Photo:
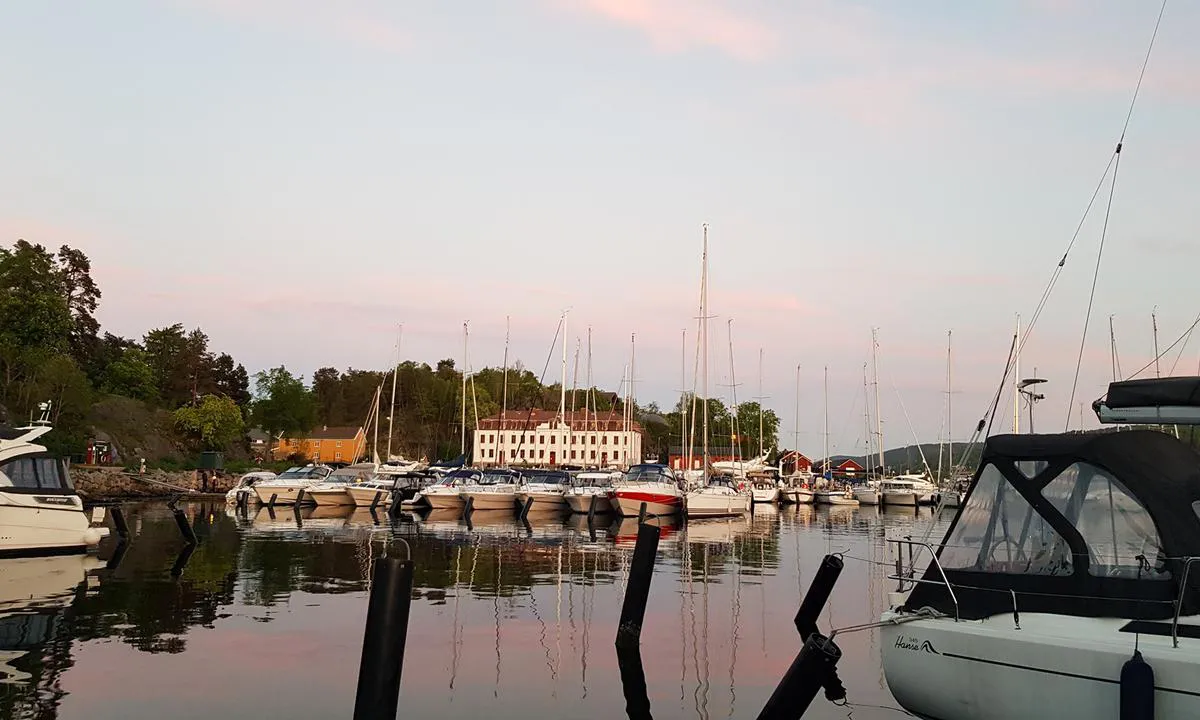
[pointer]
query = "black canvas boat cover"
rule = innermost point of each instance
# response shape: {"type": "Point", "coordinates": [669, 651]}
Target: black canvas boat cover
{"type": "Point", "coordinates": [1143, 467]}
{"type": "Point", "coordinates": [1155, 392]}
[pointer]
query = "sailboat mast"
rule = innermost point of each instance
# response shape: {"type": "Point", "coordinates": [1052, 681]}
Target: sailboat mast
{"type": "Point", "coordinates": [684, 450]}
{"type": "Point", "coordinates": [878, 409]}
{"type": "Point", "coordinates": [797, 428]}
{"type": "Point", "coordinates": [504, 390]}
{"type": "Point", "coordinates": [760, 400]}
{"type": "Point", "coordinates": [590, 395]}
{"type": "Point", "coordinates": [827, 472]}
{"type": "Point", "coordinates": [562, 389]}
{"type": "Point", "coordinates": [632, 397]}
{"type": "Point", "coordinates": [735, 441]}
{"type": "Point", "coordinates": [950, 401]}
{"type": "Point", "coordinates": [1154, 325]}
{"type": "Point", "coordinates": [395, 375]}
{"type": "Point", "coordinates": [704, 347]}
{"type": "Point", "coordinates": [1016, 423]}
{"type": "Point", "coordinates": [463, 447]}
{"type": "Point", "coordinates": [867, 422]}
{"type": "Point", "coordinates": [1112, 348]}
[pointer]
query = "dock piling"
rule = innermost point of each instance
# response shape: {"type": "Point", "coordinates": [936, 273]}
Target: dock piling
{"type": "Point", "coordinates": [817, 595]}
{"type": "Point", "coordinates": [119, 524]}
{"type": "Point", "coordinates": [592, 509]}
{"type": "Point", "coordinates": [375, 500]}
{"type": "Point", "coordinates": [383, 641]}
{"type": "Point", "coordinates": [637, 592]}
{"type": "Point", "coordinates": [185, 527]}
{"type": "Point", "coordinates": [633, 682]}
{"type": "Point", "coordinates": [271, 503]}
{"type": "Point", "coordinates": [469, 507]}
{"type": "Point", "coordinates": [813, 667]}
{"type": "Point", "coordinates": [528, 506]}
{"type": "Point", "coordinates": [642, 514]}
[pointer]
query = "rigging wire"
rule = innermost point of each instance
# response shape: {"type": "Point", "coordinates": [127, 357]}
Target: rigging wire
{"type": "Point", "coordinates": [1112, 162]}
{"type": "Point", "coordinates": [1169, 348]}
{"type": "Point", "coordinates": [1186, 338]}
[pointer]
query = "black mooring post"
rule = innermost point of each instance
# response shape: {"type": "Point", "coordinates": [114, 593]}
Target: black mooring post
{"type": "Point", "coordinates": [271, 511]}
{"type": "Point", "coordinates": [642, 514]}
{"type": "Point", "coordinates": [242, 499]}
{"type": "Point", "coordinates": [637, 591]}
{"type": "Point", "coordinates": [817, 595]}
{"type": "Point", "coordinates": [185, 554]}
{"type": "Point", "coordinates": [592, 508]}
{"type": "Point", "coordinates": [119, 523]}
{"type": "Point", "coordinates": [274, 496]}
{"type": "Point", "coordinates": [469, 507]}
{"type": "Point", "coordinates": [118, 554]}
{"type": "Point", "coordinates": [376, 499]}
{"type": "Point", "coordinates": [299, 497]}
{"type": "Point", "coordinates": [397, 501]}
{"type": "Point", "coordinates": [528, 506]}
{"type": "Point", "coordinates": [633, 682]}
{"type": "Point", "coordinates": [812, 668]}
{"type": "Point", "coordinates": [185, 528]}
{"type": "Point", "coordinates": [383, 642]}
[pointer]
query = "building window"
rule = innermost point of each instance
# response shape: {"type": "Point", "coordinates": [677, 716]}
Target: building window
{"type": "Point", "coordinates": [572, 454]}
{"type": "Point", "coordinates": [593, 454]}
{"type": "Point", "coordinates": [541, 454]}
{"type": "Point", "coordinates": [625, 440]}
{"type": "Point", "coordinates": [512, 454]}
{"type": "Point", "coordinates": [542, 440]}
{"type": "Point", "coordinates": [551, 439]}
{"type": "Point", "coordinates": [514, 440]}
{"type": "Point", "coordinates": [522, 454]}
{"type": "Point", "coordinates": [339, 443]}
{"type": "Point", "coordinates": [337, 456]}
{"type": "Point", "coordinates": [593, 439]}
{"type": "Point", "coordinates": [491, 453]}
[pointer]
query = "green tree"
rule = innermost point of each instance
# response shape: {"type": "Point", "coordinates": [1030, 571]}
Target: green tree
{"type": "Point", "coordinates": [82, 296]}
{"type": "Point", "coordinates": [283, 405]}
{"type": "Point", "coordinates": [131, 375]}
{"type": "Point", "coordinates": [748, 423]}
{"type": "Point", "coordinates": [214, 422]}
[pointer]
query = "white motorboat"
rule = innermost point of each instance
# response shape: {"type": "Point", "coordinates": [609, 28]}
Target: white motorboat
{"type": "Point", "coordinates": [546, 489]}
{"type": "Point", "coordinates": [844, 497]}
{"type": "Point", "coordinates": [764, 491]}
{"type": "Point", "coordinates": [804, 495]}
{"type": "Point", "coordinates": [650, 484]}
{"type": "Point", "coordinates": [40, 513]}
{"type": "Point", "coordinates": [906, 491]}
{"type": "Point", "coordinates": [446, 494]}
{"type": "Point", "coordinates": [496, 489]}
{"type": "Point", "coordinates": [867, 494]}
{"type": "Point", "coordinates": [740, 468]}
{"type": "Point", "coordinates": [244, 489]}
{"type": "Point", "coordinates": [334, 490]}
{"type": "Point", "coordinates": [1070, 558]}
{"type": "Point", "coordinates": [287, 486]}
{"type": "Point", "coordinates": [588, 488]}
{"type": "Point", "coordinates": [719, 498]}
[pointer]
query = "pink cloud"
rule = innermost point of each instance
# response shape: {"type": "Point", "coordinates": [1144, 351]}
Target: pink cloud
{"type": "Point", "coordinates": [354, 22]}
{"type": "Point", "coordinates": [675, 26]}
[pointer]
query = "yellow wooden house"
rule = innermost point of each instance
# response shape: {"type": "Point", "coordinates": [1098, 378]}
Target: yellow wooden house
{"type": "Point", "coordinates": [329, 445]}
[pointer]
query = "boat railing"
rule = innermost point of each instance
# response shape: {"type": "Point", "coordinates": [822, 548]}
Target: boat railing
{"type": "Point", "coordinates": [1187, 567]}
{"type": "Point", "coordinates": [909, 575]}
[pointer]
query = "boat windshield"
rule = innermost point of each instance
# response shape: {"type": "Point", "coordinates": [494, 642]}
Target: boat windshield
{"type": "Point", "coordinates": [498, 478]}
{"type": "Point", "coordinates": [40, 473]}
{"type": "Point", "coordinates": [649, 473]}
{"type": "Point", "coordinates": [300, 473]}
{"type": "Point", "coordinates": [460, 477]}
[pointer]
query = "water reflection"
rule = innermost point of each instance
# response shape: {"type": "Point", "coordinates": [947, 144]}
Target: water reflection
{"type": "Point", "coordinates": [513, 619]}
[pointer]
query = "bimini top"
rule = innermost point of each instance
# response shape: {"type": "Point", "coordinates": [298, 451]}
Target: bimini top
{"type": "Point", "coordinates": [1171, 400]}
{"type": "Point", "coordinates": [1085, 524]}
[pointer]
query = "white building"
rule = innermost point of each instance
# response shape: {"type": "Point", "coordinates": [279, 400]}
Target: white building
{"type": "Point", "coordinates": [542, 438]}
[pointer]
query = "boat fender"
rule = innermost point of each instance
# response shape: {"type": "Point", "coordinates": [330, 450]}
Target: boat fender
{"type": "Point", "coordinates": [92, 536]}
{"type": "Point", "coordinates": [1137, 689]}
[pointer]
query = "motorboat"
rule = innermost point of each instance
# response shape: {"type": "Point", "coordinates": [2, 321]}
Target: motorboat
{"type": "Point", "coordinates": [40, 513]}
{"type": "Point", "coordinates": [590, 488]}
{"type": "Point", "coordinates": [764, 491]}
{"type": "Point", "coordinates": [547, 490]}
{"type": "Point", "coordinates": [718, 498]}
{"type": "Point", "coordinates": [844, 497]}
{"type": "Point", "coordinates": [495, 489]}
{"type": "Point", "coordinates": [804, 495]}
{"type": "Point", "coordinates": [907, 491]}
{"type": "Point", "coordinates": [741, 468]}
{"type": "Point", "coordinates": [286, 488]}
{"type": "Point", "coordinates": [334, 490]}
{"type": "Point", "coordinates": [243, 491]}
{"type": "Point", "coordinates": [1072, 557]}
{"type": "Point", "coordinates": [867, 493]}
{"type": "Point", "coordinates": [446, 493]}
{"type": "Point", "coordinates": [379, 488]}
{"type": "Point", "coordinates": [654, 485]}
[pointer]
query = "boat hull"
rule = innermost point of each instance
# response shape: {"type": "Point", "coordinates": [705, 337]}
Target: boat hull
{"type": "Point", "coordinates": [582, 502]}
{"type": "Point", "coordinates": [765, 495]}
{"type": "Point", "coordinates": [33, 525]}
{"type": "Point", "coordinates": [1068, 668]}
{"type": "Point", "coordinates": [866, 497]}
{"type": "Point", "coordinates": [491, 500]}
{"type": "Point", "coordinates": [364, 496]}
{"type": "Point", "coordinates": [702, 504]}
{"type": "Point", "coordinates": [804, 496]}
{"type": "Point", "coordinates": [443, 500]}
{"type": "Point", "coordinates": [543, 500]}
{"type": "Point", "coordinates": [330, 497]}
{"type": "Point", "coordinates": [284, 494]}
{"type": "Point", "coordinates": [629, 502]}
{"type": "Point", "coordinates": [900, 499]}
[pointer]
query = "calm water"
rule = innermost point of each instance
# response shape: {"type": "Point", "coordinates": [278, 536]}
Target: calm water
{"type": "Point", "coordinates": [265, 618]}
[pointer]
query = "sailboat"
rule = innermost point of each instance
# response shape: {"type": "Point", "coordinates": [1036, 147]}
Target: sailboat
{"type": "Point", "coordinates": [868, 492]}
{"type": "Point", "coordinates": [829, 495]}
{"type": "Point", "coordinates": [713, 498]}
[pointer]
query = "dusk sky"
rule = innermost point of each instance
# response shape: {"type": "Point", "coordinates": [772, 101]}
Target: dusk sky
{"type": "Point", "coordinates": [298, 177]}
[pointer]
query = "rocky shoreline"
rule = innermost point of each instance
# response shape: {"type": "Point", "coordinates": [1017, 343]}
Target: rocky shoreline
{"type": "Point", "coordinates": [109, 484]}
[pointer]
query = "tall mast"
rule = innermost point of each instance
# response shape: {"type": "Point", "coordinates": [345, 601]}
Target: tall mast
{"type": "Point", "coordinates": [704, 346]}
{"type": "Point", "coordinates": [827, 471]}
{"type": "Point", "coordinates": [735, 441]}
{"type": "Point", "coordinates": [463, 448]}
{"type": "Point", "coordinates": [504, 391]}
{"type": "Point", "coordinates": [867, 422]}
{"type": "Point", "coordinates": [632, 397]}
{"type": "Point", "coordinates": [1154, 324]}
{"type": "Point", "coordinates": [1112, 348]}
{"type": "Point", "coordinates": [797, 428]}
{"type": "Point", "coordinates": [562, 389]}
{"type": "Point", "coordinates": [760, 400]}
{"type": "Point", "coordinates": [374, 414]}
{"type": "Point", "coordinates": [590, 394]}
{"type": "Point", "coordinates": [395, 375]}
{"type": "Point", "coordinates": [878, 409]}
{"type": "Point", "coordinates": [1016, 423]}
{"type": "Point", "coordinates": [684, 450]}
{"type": "Point", "coordinates": [950, 402]}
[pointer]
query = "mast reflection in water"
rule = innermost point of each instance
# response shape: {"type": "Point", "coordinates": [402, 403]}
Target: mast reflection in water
{"type": "Point", "coordinates": [510, 619]}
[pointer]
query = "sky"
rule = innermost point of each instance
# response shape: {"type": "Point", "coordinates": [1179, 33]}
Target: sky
{"type": "Point", "coordinates": [298, 178]}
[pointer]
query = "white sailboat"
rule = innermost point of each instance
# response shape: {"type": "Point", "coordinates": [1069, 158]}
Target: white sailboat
{"type": "Point", "coordinates": [828, 495]}
{"type": "Point", "coordinates": [711, 499]}
{"type": "Point", "coordinates": [868, 492]}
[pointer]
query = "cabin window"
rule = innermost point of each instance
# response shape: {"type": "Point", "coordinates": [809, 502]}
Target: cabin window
{"type": "Point", "coordinates": [999, 532]}
{"type": "Point", "coordinates": [1121, 538]}
{"type": "Point", "coordinates": [34, 473]}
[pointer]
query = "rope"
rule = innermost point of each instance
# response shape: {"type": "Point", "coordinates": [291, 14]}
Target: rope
{"type": "Point", "coordinates": [1169, 348]}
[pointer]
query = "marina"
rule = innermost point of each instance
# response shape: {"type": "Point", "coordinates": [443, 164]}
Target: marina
{"type": "Point", "coordinates": [517, 618]}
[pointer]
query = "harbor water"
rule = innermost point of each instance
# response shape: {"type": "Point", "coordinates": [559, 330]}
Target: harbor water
{"type": "Point", "coordinates": [510, 619]}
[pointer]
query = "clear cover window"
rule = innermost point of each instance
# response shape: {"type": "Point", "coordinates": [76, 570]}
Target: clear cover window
{"type": "Point", "coordinates": [999, 532]}
{"type": "Point", "coordinates": [34, 473]}
{"type": "Point", "coordinates": [1121, 538]}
